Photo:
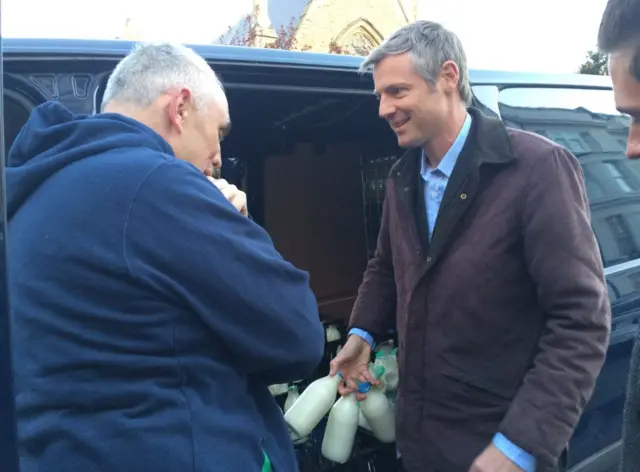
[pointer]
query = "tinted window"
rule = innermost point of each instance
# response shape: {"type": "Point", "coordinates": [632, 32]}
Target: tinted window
{"type": "Point", "coordinates": [586, 123]}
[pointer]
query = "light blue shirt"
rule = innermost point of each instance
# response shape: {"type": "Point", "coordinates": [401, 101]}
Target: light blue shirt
{"type": "Point", "coordinates": [436, 180]}
{"type": "Point", "coordinates": [435, 183]}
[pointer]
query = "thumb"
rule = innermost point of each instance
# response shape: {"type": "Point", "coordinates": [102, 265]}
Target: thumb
{"type": "Point", "coordinates": [336, 364]}
{"type": "Point", "coordinates": [334, 367]}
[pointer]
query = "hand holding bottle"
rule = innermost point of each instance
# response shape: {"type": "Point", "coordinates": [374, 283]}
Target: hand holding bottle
{"type": "Point", "coordinates": [353, 364]}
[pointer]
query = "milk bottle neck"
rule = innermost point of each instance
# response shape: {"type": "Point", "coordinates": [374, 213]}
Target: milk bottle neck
{"type": "Point", "coordinates": [363, 387]}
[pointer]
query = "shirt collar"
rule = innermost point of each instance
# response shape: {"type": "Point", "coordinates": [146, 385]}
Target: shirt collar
{"type": "Point", "coordinates": [449, 160]}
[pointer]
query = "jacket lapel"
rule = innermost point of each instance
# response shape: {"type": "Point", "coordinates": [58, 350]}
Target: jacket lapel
{"type": "Point", "coordinates": [488, 143]}
{"type": "Point", "coordinates": [458, 196]}
{"type": "Point", "coordinates": [408, 184]}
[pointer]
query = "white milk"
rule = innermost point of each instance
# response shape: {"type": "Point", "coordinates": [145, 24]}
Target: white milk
{"type": "Point", "coordinates": [377, 410]}
{"type": "Point", "coordinates": [362, 421]}
{"type": "Point", "coordinates": [314, 402]}
{"type": "Point", "coordinates": [340, 433]}
{"type": "Point", "coordinates": [333, 334]}
{"type": "Point", "coordinates": [292, 396]}
{"type": "Point", "coordinates": [278, 389]}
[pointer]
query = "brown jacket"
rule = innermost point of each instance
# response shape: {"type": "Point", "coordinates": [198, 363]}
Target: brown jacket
{"type": "Point", "coordinates": [503, 319]}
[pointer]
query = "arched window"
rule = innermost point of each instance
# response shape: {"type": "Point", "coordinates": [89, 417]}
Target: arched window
{"type": "Point", "coordinates": [359, 44]}
{"type": "Point", "coordinates": [359, 38]}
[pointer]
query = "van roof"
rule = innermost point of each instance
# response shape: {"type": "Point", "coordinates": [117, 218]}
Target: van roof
{"type": "Point", "coordinates": [19, 48]}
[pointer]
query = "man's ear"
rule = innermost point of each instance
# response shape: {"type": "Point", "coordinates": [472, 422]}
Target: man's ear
{"type": "Point", "coordinates": [450, 74]}
{"type": "Point", "coordinates": [179, 108]}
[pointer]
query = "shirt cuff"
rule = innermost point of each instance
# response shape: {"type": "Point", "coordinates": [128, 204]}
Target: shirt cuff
{"type": "Point", "coordinates": [515, 454]}
{"type": "Point", "coordinates": [364, 335]}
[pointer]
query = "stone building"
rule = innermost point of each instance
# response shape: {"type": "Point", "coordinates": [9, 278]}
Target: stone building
{"type": "Point", "coordinates": [355, 26]}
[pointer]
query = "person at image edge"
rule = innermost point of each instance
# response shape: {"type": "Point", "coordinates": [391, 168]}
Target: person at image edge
{"type": "Point", "coordinates": [149, 314]}
{"type": "Point", "coordinates": [619, 36]}
{"type": "Point", "coordinates": [487, 265]}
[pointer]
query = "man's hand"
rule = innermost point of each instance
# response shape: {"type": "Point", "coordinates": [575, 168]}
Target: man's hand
{"type": "Point", "coordinates": [492, 460]}
{"type": "Point", "coordinates": [236, 196]}
{"type": "Point", "coordinates": [353, 364]}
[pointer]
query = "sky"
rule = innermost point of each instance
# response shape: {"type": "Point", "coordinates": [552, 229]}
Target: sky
{"type": "Point", "coordinates": [541, 36]}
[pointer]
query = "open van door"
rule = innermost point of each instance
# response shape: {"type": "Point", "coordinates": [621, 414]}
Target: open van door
{"type": "Point", "coordinates": [8, 443]}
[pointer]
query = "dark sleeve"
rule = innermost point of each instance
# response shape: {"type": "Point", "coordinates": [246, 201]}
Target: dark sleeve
{"type": "Point", "coordinates": [631, 426]}
{"type": "Point", "coordinates": [186, 242]}
{"type": "Point", "coordinates": [564, 261]}
{"type": "Point", "coordinates": [374, 308]}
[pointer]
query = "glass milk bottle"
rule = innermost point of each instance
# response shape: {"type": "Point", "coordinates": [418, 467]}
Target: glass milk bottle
{"type": "Point", "coordinates": [362, 422]}
{"type": "Point", "coordinates": [332, 334]}
{"type": "Point", "coordinates": [341, 429]}
{"type": "Point", "coordinates": [377, 410]}
{"type": "Point", "coordinates": [390, 376]}
{"type": "Point", "coordinates": [278, 389]}
{"type": "Point", "coordinates": [315, 401]}
{"type": "Point", "coordinates": [292, 396]}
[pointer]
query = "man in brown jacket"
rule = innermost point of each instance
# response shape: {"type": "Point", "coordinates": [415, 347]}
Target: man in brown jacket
{"type": "Point", "coordinates": [619, 36]}
{"type": "Point", "coordinates": [487, 265]}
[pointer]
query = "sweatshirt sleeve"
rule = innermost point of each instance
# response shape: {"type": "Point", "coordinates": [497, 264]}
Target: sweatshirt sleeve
{"type": "Point", "coordinates": [185, 241]}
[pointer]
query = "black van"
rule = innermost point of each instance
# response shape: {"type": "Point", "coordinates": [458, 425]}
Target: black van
{"type": "Point", "coordinates": [311, 153]}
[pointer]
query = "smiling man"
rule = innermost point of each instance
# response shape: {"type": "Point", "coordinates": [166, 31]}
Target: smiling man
{"type": "Point", "coordinates": [619, 36]}
{"type": "Point", "coordinates": [487, 265]}
{"type": "Point", "coordinates": [149, 315]}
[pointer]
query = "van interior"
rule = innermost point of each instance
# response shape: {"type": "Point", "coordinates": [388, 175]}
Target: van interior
{"type": "Point", "coordinates": [313, 166]}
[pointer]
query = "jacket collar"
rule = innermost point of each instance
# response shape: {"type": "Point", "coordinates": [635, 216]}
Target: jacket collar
{"type": "Point", "coordinates": [488, 143]}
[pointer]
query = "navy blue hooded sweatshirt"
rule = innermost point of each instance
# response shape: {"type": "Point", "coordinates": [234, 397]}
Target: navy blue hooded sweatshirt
{"type": "Point", "coordinates": [148, 315]}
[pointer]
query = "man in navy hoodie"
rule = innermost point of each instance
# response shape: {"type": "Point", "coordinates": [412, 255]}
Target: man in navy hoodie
{"type": "Point", "coordinates": [149, 315]}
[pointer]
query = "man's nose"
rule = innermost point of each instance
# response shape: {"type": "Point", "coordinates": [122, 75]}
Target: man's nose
{"type": "Point", "coordinates": [386, 109]}
{"type": "Point", "coordinates": [633, 143]}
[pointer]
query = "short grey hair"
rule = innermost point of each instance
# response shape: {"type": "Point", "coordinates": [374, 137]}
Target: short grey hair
{"type": "Point", "coordinates": [429, 45]}
{"type": "Point", "coordinates": [149, 70]}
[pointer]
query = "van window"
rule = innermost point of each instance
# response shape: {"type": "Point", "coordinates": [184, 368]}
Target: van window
{"type": "Point", "coordinates": [586, 122]}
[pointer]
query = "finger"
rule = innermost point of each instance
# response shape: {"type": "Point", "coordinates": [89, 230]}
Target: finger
{"type": "Point", "coordinates": [220, 183]}
{"type": "Point", "coordinates": [365, 376]}
{"type": "Point", "coordinates": [344, 389]}
{"type": "Point", "coordinates": [334, 367]}
{"type": "Point", "coordinates": [475, 467]}
{"type": "Point", "coordinates": [361, 396]}
{"type": "Point", "coordinates": [229, 191]}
